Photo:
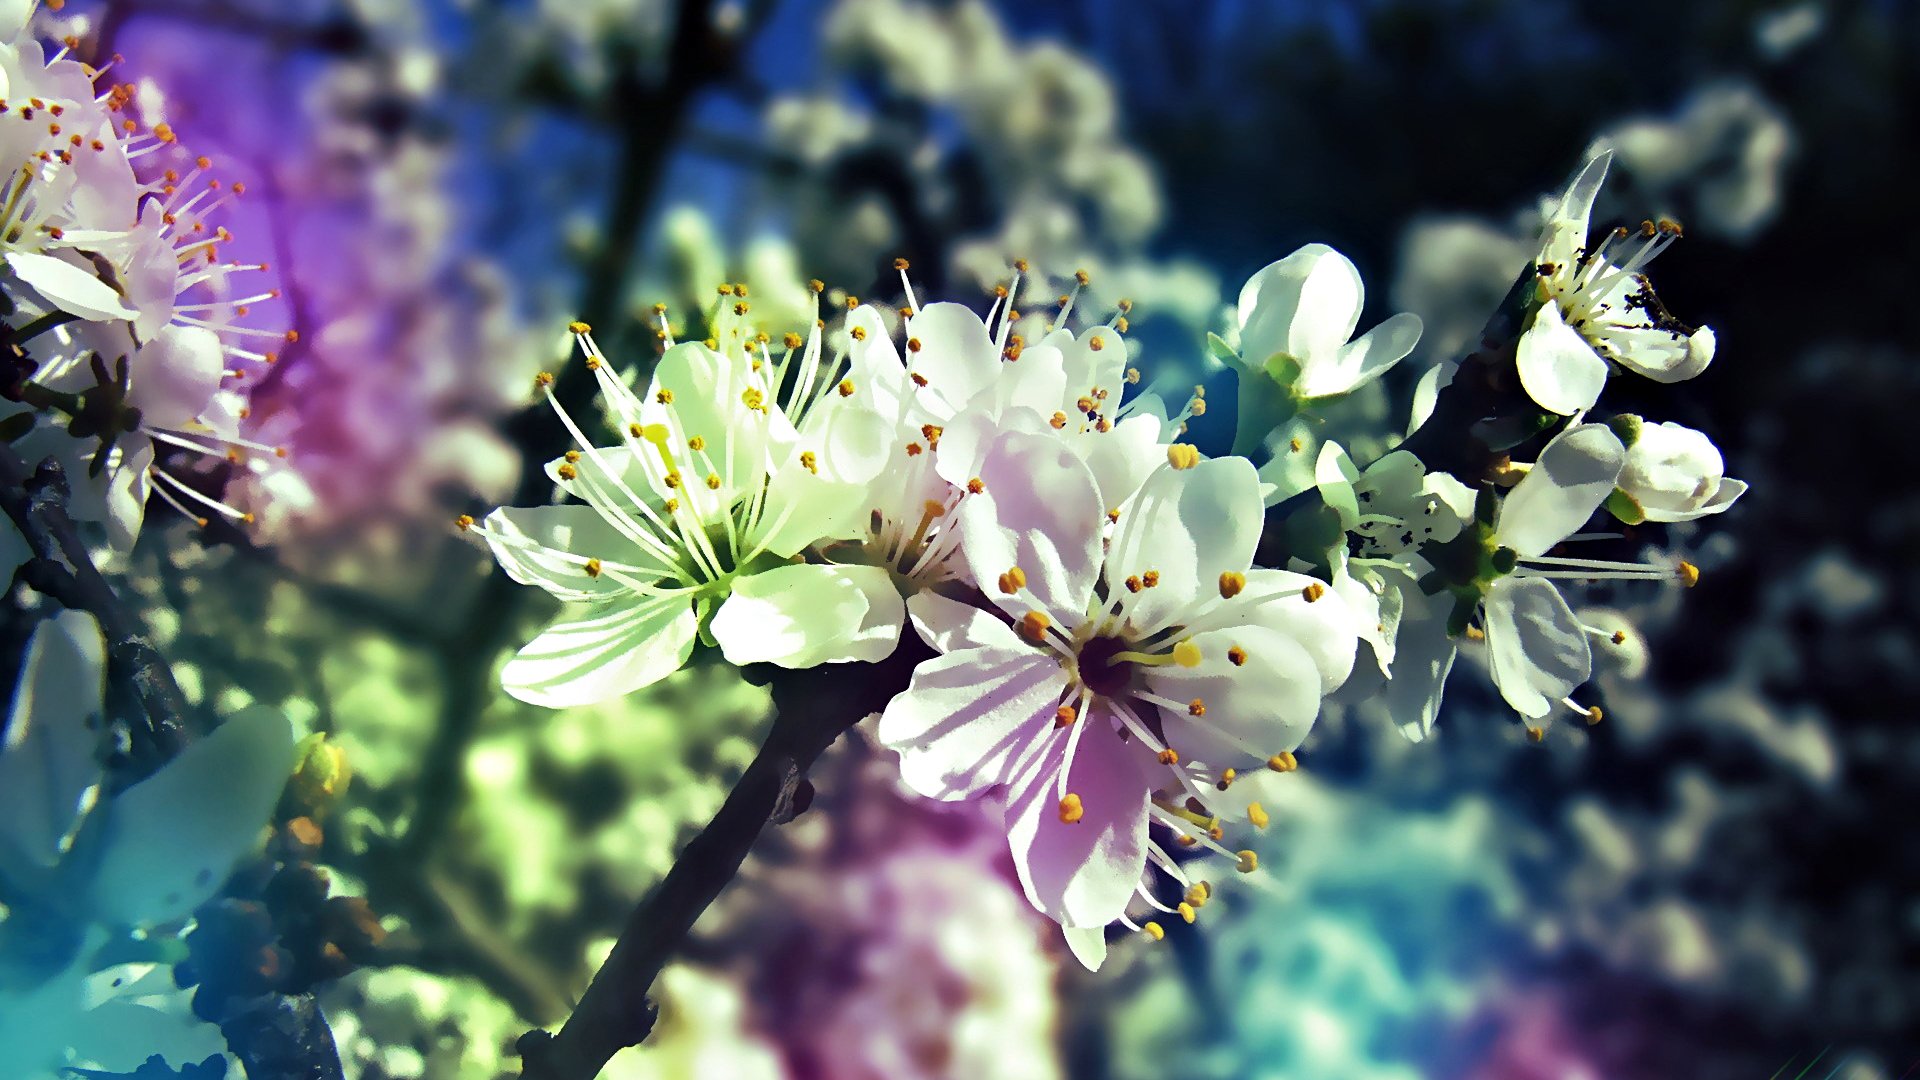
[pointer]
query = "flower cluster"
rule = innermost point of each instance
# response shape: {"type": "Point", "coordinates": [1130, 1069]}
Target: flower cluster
{"type": "Point", "coordinates": [1111, 669]}
{"type": "Point", "coordinates": [119, 308]}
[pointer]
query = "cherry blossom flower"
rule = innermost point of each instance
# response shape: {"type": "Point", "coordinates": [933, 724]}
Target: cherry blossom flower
{"type": "Point", "coordinates": [726, 471]}
{"type": "Point", "coordinates": [1113, 684]}
{"type": "Point", "coordinates": [1305, 308]}
{"type": "Point", "coordinates": [1599, 309]}
{"type": "Point", "coordinates": [1673, 473]}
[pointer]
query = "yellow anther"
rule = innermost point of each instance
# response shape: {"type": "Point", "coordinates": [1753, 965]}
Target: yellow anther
{"type": "Point", "coordinates": [1474, 633]}
{"type": "Point", "coordinates": [1595, 715]}
{"type": "Point", "coordinates": [593, 568]}
{"type": "Point", "coordinates": [1196, 707]}
{"type": "Point", "coordinates": [753, 399]}
{"type": "Point", "coordinates": [1064, 716]}
{"type": "Point", "coordinates": [977, 486]}
{"type": "Point", "coordinates": [1120, 324]}
{"type": "Point", "coordinates": [463, 522]}
{"type": "Point", "coordinates": [579, 327]}
{"type": "Point", "coordinates": [809, 462]}
{"type": "Point", "coordinates": [846, 387]}
{"type": "Point", "coordinates": [1537, 734]}
{"type": "Point", "coordinates": [1186, 912]}
{"type": "Point", "coordinates": [740, 308]}
{"type": "Point", "coordinates": [713, 481]}
{"type": "Point", "coordinates": [1150, 578]}
{"type": "Point", "coordinates": [816, 286]}
{"type": "Point", "coordinates": [664, 396]}
{"type": "Point", "coordinates": [673, 480]}
{"type": "Point", "coordinates": [1231, 582]}
{"type": "Point", "coordinates": [1034, 626]}
{"type": "Point", "coordinates": [1114, 515]}
{"type": "Point", "coordinates": [853, 303]}
{"type": "Point", "coordinates": [1133, 376]}
{"type": "Point", "coordinates": [1059, 421]}
{"type": "Point", "coordinates": [1284, 761]}
{"type": "Point", "coordinates": [1619, 637]}
{"type": "Point", "coordinates": [673, 506]}
{"type": "Point", "coordinates": [858, 333]}
{"type": "Point", "coordinates": [901, 264]}
{"type": "Point", "coordinates": [1312, 592]}
{"type": "Point", "coordinates": [567, 471]}
{"type": "Point", "coordinates": [1096, 343]}
{"type": "Point", "coordinates": [1198, 407]}
{"type": "Point", "coordinates": [1152, 930]}
{"type": "Point", "coordinates": [1199, 893]}
{"type": "Point", "coordinates": [1133, 583]}
{"type": "Point", "coordinates": [1249, 861]}
{"type": "Point", "coordinates": [1169, 756]}
{"type": "Point", "coordinates": [697, 443]}
{"type": "Point", "coordinates": [932, 433]}
{"type": "Point", "coordinates": [913, 344]}
{"type": "Point", "coordinates": [1237, 656]}
{"type": "Point", "coordinates": [918, 379]}
{"type": "Point", "coordinates": [1258, 815]}
{"type": "Point", "coordinates": [572, 455]}
{"type": "Point", "coordinates": [1013, 580]}
{"type": "Point", "coordinates": [1183, 455]}
{"type": "Point", "coordinates": [1020, 265]}
{"type": "Point", "coordinates": [913, 449]}
{"type": "Point", "coordinates": [1070, 809]}
{"type": "Point", "coordinates": [791, 340]}
{"type": "Point", "coordinates": [543, 380]}
{"type": "Point", "coordinates": [1215, 832]}
{"type": "Point", "coordinates": [1293, 445]}
{"type": "Point", "coordinates": [1689, 574]}
{"type": "Point", "coordinates": [1187, 654]}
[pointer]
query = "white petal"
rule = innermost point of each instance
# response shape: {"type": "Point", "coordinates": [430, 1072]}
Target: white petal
{"type": "Point", "coordinates": [1334, 474]}
{"type": "Point", "coordinates": [50, 759]}
{"type": "Point", "coordinates": [1558, 368]}
{"type": "Point", "coordinates": [956, 357]}
{"type": "Point", "coordinates": [1423, 655]}
{"type": "Point", "coordinates": [1362, 360]}
{"type": "Point", "coordinates": [951, 626]}
{"type": "Point", "coordinates": [1088, 944]}
{"type": "Point", "coordinates": [1573, 476]}
{"type": "Point", "coordinates": [172, 839]}
{"type": "Point", "coordinates": [1254, 709]}
{"type": "Point", "coordinates": [1304, 305]}
{"type": "Point", "coordinates": [810, 614]}
{"type": "Point", "coordinates": [68, 287]}
{"type": "Point", "coordinates": [175, 375]}
{"type": "Point", "coordinates": [1191, 526]}
{"type": "Point", "coordinates": [1040, 511]}
{"type": "Point", "coordinates": [968, 719]}
{"type": "Point", "coordinates": [1323, 627]}
{"type": "Point", "coordinates": [1123, 457]}
{"type": "Point", "coordinates": [1566, 231]}
{"type": "Point", "coordinates": [1536, 648]}
{"type": "Point", "coordinates": [1426, 392]}
{"type": "Point", "coordinates": [529, 543]}
{"type": "Point", "coordinates": [602, 652]}
{"type": "Point", "coordinates": [1084, 873]}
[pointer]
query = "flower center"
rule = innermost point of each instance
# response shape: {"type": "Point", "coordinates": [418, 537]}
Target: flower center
{"type": "Point", "coordinates": [1103, 670]}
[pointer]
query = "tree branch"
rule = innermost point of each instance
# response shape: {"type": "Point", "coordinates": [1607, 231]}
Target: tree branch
{"type": "Point", "coordinates": [62, 569]}
{"type": "Point", "coordinates": [813, 708]}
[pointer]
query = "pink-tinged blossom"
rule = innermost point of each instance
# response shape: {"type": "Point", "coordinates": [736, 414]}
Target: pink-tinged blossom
{"type": "Point", "coordinates": [1114, 685]}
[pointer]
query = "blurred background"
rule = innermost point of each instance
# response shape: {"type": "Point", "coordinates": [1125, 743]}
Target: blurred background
{"type": "Point", "coordinates": [1721, 880]}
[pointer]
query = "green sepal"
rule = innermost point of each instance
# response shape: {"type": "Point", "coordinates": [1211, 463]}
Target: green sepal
{"type": "Point", "coordinates": [1222, 351]}
{"type": "Point", "coordinates": [1625, 507]}
{"type": "Point", "coordinates": [1627, 427]}
{"type": "Point", "coordinates": [1461, 616]}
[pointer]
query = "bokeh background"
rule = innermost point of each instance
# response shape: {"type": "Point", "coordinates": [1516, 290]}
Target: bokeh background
{"type": "Point", "coordinates": [1721, 880]}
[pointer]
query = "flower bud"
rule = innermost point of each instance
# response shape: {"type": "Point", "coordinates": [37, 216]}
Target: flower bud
{"type": "Point", "coordinates": [1674, 473]}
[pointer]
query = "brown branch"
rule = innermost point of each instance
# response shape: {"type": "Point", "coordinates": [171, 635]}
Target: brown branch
{"type": "Point", "coordinates": [62, 569]}
{"type": "Point", "coordinates": [813, 708]}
